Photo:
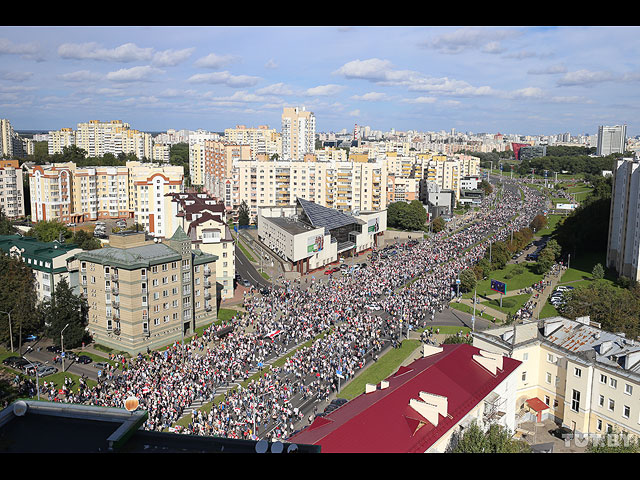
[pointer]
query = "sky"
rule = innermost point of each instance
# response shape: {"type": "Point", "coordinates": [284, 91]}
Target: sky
{"type": "Point", "coordinates": [514, 80]}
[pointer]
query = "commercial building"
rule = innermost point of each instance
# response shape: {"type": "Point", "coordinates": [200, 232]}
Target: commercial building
{"type": "Point", "coordinates": [11, 189]}
{"type": "Point", "coordinates": [611, 140]}
{"type": "Point", "coordinates": [146, 293]}
{"type": "Point", "coordinates": [51, 262]}
{"type": "Point", "coordinates": [623, 245]}
{"type": "Point", "coordinates": [310, 236]}
{"type": "Point", "coordinates": [423, 407]}
{"type": "Point", "coordinates": [575, 373]}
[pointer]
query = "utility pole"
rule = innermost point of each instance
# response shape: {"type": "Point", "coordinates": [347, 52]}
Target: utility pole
{"type": "Point", "coordinates": [62, 345]}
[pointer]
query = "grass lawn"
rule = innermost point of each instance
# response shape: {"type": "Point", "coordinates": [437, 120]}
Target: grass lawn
{"type": "Point", "coordinates": [548, 311]}
{"type": "Point", "coordinates": [514, 281]}
{"type": "Point", "coordinates": [582, 266]}
{"type": "Point", "coordinates": [245, 250]}
{"type": "Point", "coordinates": [385, 366]}
{"type": "Point", "coordinates": [509, 304]}
{"type": "Point", "coordinates": [553, 220]}
{"type": "Point", "coordinates": [226, 314]}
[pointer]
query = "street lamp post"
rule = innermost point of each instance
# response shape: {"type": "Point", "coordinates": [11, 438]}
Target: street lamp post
{"type": "Point", "coordinates": [62, 345]}
{"type": "Point", "coordinates": [10, 334]}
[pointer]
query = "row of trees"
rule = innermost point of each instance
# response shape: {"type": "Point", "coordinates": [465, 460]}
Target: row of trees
{"type": "Point", "coordinates": [22, 313]}
{"type": "Point", "coordinates": [50, 230]}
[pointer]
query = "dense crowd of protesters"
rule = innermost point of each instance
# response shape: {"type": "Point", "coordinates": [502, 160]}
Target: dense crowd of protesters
{"type": "Point", "coordinates": [337, 325]}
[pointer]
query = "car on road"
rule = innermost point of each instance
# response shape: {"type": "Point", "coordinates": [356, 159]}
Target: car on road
{"type": "Point", "coordinates": [100, 365]}
{"type": "Point", "coordinates": [339, 401]}
{"type": "Point", "coordinates": [84, 359]}
{"type": "Point", "coordinates": [54, 349]}
{"type": "Point", "coordinates": [30, 338]}
{"type": "Point", "coordinates": [245, 282]}
{"type": "Point", "coordinates": [373, 306]}
{"type": "Point", "coordinates": [15, 362]}
{"type": "Point", "coordinates": [45, 370]}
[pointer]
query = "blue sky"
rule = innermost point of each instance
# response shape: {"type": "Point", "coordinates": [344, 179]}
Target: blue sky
{"type": "Point", "coordinates": [525, 80]}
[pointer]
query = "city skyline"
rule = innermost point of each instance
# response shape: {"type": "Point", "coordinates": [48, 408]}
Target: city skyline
{"type": "Point", "coordinates": [513, 80]}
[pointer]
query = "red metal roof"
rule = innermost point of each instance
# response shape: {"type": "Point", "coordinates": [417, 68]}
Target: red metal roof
{"type": "Point", "coordinates": [383, 422]}
{"type": "Point", "coordinates": [537, 404]}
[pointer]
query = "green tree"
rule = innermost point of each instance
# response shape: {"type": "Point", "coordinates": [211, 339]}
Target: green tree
{"type": "Point", "coordinates": [497, 439]}
{"type": "Point", "coordinates": [49, 230]}
{"type": "Point", "coordinates": [538, 223]}
{"type": "Point", "coordinates": [437, 225]}
{"type": "Point", "coordinates": [467, 280]}
{"type": "Point", "coordinates": [64, 308]}
{"type": "Point", "coordinates": [6, 227]}
{"type": "Point", "coordinates": [598, 271]}
{"type": "Point", "coordinates": [613, 443]}
{"type": "Point", "coordinates": [243, 214]}
{"type": "Point", "coordinates": [18, 298]}
{"type": "Point", "coordinates": [85, 240]}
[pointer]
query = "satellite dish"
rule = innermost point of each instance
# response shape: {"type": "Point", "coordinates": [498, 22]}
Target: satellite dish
{"type": "Point", "coordinates": [277, 447]}
{"type": "Point", "coordinates": [20, 408]}
{"type": "Point", "coordinates": [262, 446]}
{"type": "Point", "coordinates": [131, 403]}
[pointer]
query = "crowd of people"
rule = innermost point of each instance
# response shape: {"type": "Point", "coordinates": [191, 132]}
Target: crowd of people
{"type": "Point", "coordinates": [327, 325]}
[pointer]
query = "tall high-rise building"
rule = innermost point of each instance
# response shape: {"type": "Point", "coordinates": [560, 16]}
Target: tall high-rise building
{"type": "Point", "coordinates": [298, 133]}
{"type": "Point", "coordinates": [623, 246]}
{"type": "Point", "coordinates": [11, 189]}
{"type": "Point", "coordinates": [611, 139]}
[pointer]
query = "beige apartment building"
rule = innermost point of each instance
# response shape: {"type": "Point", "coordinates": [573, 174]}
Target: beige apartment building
{"type": "Point", "coordinates": [98, 138]}
{"type": "Point", "coordinates": [587, 379]}
{"type": "Point", "coordinates": [344, 186]}
{"type": "Point", "coordinates": [204, 219]}
{"type": "Point", "coordinates": [298, 133]}
{"type": "Point", "coordinates": [11, 189]}
{"type": "Point", "coordinates": [147, 293]}
{"type": "Point", "coordinates": [137, 190]}
{"type": "Point", "coordinates": [261, 140]}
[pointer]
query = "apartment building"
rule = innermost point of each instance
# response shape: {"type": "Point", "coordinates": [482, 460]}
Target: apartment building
{"type": "Point", "coordinates": [11, 189]}
{"type": "Point", "coordinates": [50, 262]}
{"type": "Point", "coordinates": [345, 186]}
{"type": "Point", "coordinates": [13, 145]}
{"type": "Point", "coordinates": [136, 190]}
{"type": "Point", "coordinates": [197, 154]}
{"type": "Point", "coordinates": [204, 219]}
{"type": "Point", "coordinates": [98, 138]}
{"type": "Point", "coordinates": [146, 293]}
{"type": "Point", "coordinates": [298, 133]}
{"type": "Point", "coordinates": [583, 377]}
{"type": "Point", "coordinates": [611, 139]}
{"type": "Point", "coordinates": [623, 244]}
{"type": "Point", "coordinates": [218, 163]}
{"type": "Point", "coordinates": [261, 140]}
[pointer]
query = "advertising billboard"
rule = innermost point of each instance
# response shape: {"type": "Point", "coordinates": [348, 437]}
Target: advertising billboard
{"type": "Point", "coordinates": [499, 287]}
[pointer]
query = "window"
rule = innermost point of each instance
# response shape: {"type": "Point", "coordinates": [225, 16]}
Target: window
{"type": "Point", "coordinates": [577, 372]}
{"type": "Point", "coordinates": [548, 377]}
{"type": "Point", "coordinates": [628, 389]}
{"type": "Point", "coordinates": [612, 404]}
{"type": "Point", "coordinates": [524, 376]}
{"type": "Point", "coordinates": [601, 400]}
{"type": "Point", "coordinates": [603, 379]}
{"type": "Point", "coordinates": [613, 383]}
{"type": "Point", "coordinates": [626, 411]}
{"type": "Point", "coordinates": [599, 425]}
{"type": "Point", "coordinates": [575, 401]}
{"type": "Point", "coordinates": [550, 357]}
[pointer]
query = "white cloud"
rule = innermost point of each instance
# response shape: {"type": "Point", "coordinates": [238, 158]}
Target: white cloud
{"type": "Point", "coordinates": [370, 97]}
{"type": "Point", "coordinates": [214, 61]}
{"type": "Point", "coordinates": [420, 100]}
{"type": "Point", "coordinates": [271, 64]}
{"type": "Point", "coordinates": [463, 39]}
{"type": "Point", "coordinates": [275, 89]}
{"type": "Point", "coordinates": [585, 77]}
{"type": "Point", "coordinates": [128, 52]}
{"type": "Point", "coordinates": [224, 78]}
{"type": "Point", "coordinates": [549, 70]}
{"type": "Point", "coordinates": [171, 58]}
{"type": "Point", "coordinates": [324, 90]}
{"type": "Point", "coordinates": [80, 76]}
{"type": "Point", "coordinates": [134, 74]}
{"type": "Point", "coordinates": [26, 50]}
{"type": "Point", "coordinates": [16, 76]}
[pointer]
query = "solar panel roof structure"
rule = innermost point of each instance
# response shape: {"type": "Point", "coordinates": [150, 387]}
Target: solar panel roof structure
{"type": "Point", "coordinates": [319, 216]}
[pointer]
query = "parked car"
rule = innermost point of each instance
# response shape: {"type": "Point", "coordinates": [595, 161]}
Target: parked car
{"type": "Point", "coordinates": [84, 359]}
{"type": "Point", "coordinates": [100, 365]}
{"type": "Point", "coordinates": [339, 401]}
{"type": "Point", "coordinates": [30, 338]}
{"type": "Point", "coordinates": [246, 282]}
{"type": "Point", "coordinates": [15, 362]}
{"type": "Point", "coordinates": [562, 433]}
{"type": "Point", "coordinates": [54, 349]}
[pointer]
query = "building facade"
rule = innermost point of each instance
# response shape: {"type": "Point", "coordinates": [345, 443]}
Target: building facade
{"type": "Point", "coordinates": [585, 378]}
{"type": "Point", "coordinates": [11, 189]}
{"type": "Point", "coordinates": [298, 133]}
{"type": "Point", "coordinates": [611, 139]}
{"type": "Point", "coordinates": [146, 293]}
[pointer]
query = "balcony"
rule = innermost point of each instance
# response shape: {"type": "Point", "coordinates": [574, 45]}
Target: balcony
{"type": "Point", "coordinates": [207, 272]}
